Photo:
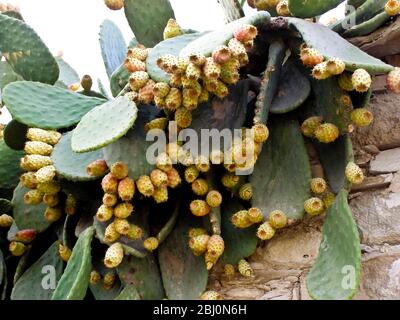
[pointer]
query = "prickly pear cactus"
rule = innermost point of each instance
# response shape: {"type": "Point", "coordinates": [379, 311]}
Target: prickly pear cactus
{"type": "Point", "coordinates": [200, 156]}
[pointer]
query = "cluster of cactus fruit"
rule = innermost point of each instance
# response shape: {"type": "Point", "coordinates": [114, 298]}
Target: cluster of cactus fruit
{"type": "Point", "coordinates": [74, 177]}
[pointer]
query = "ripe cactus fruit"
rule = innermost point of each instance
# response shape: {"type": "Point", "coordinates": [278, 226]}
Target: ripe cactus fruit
{"type": "Point", "coordinates": [139, 52]}
{"type": "Point", "coordinates": [211, 295]}
{"type": "Point", "coordinates": [183, 117]}
{"type": "Point", "coordinates": [320, 71]}
{"type": "Point", "coordinates": [119, 170]}
{"type": "Point", "coordinates": [28, 180]}
{"type": "Point", "coordinates": [151, 244]}
{"type": "Point", "coordinates": [194, 232]}
{"type": "Point", "coordinates": [327, 133]}
{"type": "Point", "coordinates": [215, 246]}
{"type": "Point", "coordinates": [95, 277]}
{"type": "Point", "coordinates": [25, 236]}
{"type": "Point", "coordinates": [51, 200]}
{"type": "Point", "coordinates": [211, 69]}
{"type": "Point", "coordinates": [318, 185]}
{"type": "Point", "coordinates": [159, 178]}
{"type": "Point", "coordinates": [310, 125]}
{"type": "Point", "coordinates": [230, 180]}
{"type": "Point", "coordinates": [110, 184]}
{"type": "Point", "coordinates": [246, 192]}
{"type": "Point", "coordinates": [245, 268]}
{"type": "Point", "coordinates": [265, 231]}
{"type": "Point", "coordinates": [362, 117]}
{"type": "Point", "coordinates": [392, 7]}
{"type": "Point", "coordinates": [97, 168]}
{"type": "Point", "coordinates": [198, 59]}
{"type": "Point", "coordinates": [200, 187]}
{"type": "Point", "coordinates": [121, 226]}
{"type": "Point", "coordinates": [64, 252]}
{"type": "Point", "coordinates": [164, 162]}
{"type": "Point", "coordinates": [51, 187]}
{"type": "Point", "coordinates": [246, 33]}
{"type": "Point", "coordinates": [335, 66]}
{"type": "Point", "coordinates": [145, 186]}
{"type": "Point", "coordinates": [361, 80]}
{"type": "Point", "coordinates": [277, 219]}
{"type": "Point", "coordinates": [34, 162]}
{"type": "Point", "coordinates": [221, 55]}
{"type": "Point", "coordinates": [345, 82]}
{"type": "Point", "coordinates": [133, 65]}
{"type": "Point", "coordinates": [146, 95]}
{"type": "Point", "coordinates": [190, 102]}
{"type": "Point", "coordinates": [104, 213]}
{"type": "Point", "coordinates": [33, 197]}
{"type": "Point", "coordinates": [174, 179]}
{"type": "Point", "coordinates": [255, 215]}
{"type": "Point", "coordinates": [172, 29]}
{"type": "Point", "coordinates": [47, 136]}
{"type": "Point", "coordinates": [114, 255]}
{"type": "Point", "coordinates": [237, 48]}
{"type": "Point", "coordinates": [260, 132]}
{"type": "Point", "coordinates": [229, 270]}
{"type": "Point", "coordinates": [241, 219]}
{"type": "Point", "coordinates": [114, 4]}
{"type": "Point", "coordinates": [17, 249]}
{"type": "Point", "coordinates": [202, 163]}
{"type": "Point", "coordinates": [282, 8]}
{"type": "Point", "coordinates": [199, 208]}
{"type": "Point", "coordinates": [160, 194]}
{"type": "Point", "coordinates": [6, 221]}
{"type": "Point", "coordinates": [111, 234]}
{"type": "Point", "coordinates": [71, 205]}
{"type": "Point", "coordinates": [329, 199]}
{"type": "Point", "coordinates": [161, 89]}
{"type": "Point", "coordinates": [53, 214]}
{"type": "Point", "coordinates": [45, 174]}
{"type": "Point", "coordinates": [193, 72]}
{"type": "Point", "coordinates": [174, 99]}
{"type": "Point", "coordinates": [214, 199]}
{"type": "Point", "coordinates": [126, 189]}
{"type": "Point", "coordinates": [135, 232]}
{"type": "Point", "coordinates": [138, 80]}
{"type": "Point", "coordinates": [123, 210]}
{"type": "Point", "coordinates": [314, 206]}
{"type": "Point", "coordinates": [110, 199]}
{"type": "Point", "coordinates": [393, 80]}
{"type": "Point", "coordinates": [354, 173]}
{"type": "Point", "coordinates": [198, 244]}
{"type": "Point", "coordinates": [38, 147]}
{"type": "Point", "coordinates": [311, 57]}
{"type": "Point", "coordinates": [168, 63]}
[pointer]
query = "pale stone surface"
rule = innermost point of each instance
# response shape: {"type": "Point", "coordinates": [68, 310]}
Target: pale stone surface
{"type": "Point", "coordinates": [375, 182]}
{"type": "Point", "coordinates": [385, 162]}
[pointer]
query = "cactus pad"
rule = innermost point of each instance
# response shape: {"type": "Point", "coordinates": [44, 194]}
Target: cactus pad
{"type": "Point", "coordinates": [6, 206]}
{"type": "Point", "coordinates": [339, 259]}
{"type": "Point", "coordinates": [311, 8]}
{"type": "Point", "coordinates": [68, 75]}
{"type": "Point", "coordinates": [98, 290]}
{"type": "Point", "coordinates": [26, 52]}
{"type": "Point", "coordinates": [9, 166]}
{"type": "Point", "coordinates": [7, 75]}
{"type": "Point", "coordinates": [15, 135]}
{"type": "Point", "coordinates": [43, 106]}
{"type": "Point", "coordinates": [128, 293]}
{"type": "Point", "coordinates": [71, 165]}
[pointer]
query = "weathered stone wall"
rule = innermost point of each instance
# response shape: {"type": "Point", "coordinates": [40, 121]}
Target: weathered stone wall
{"type": "Point", "coordinates": [281, 264]}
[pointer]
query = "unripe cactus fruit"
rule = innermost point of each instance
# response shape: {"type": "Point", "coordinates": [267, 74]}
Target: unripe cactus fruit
{"type": "Point", "coordinates": [335, 66]}
{"type": "Point", "coordinates": [216, 246]}
{"type": "Point", "coordinates": [211, 69]}
{"type": "Point", "coordinates": [362, 117]}
{"type": "Point", "coordinates": [318, 185]}
{"type": "Point", "coordinates": [194, 232]}
{"type": "Point", "coordinates": [95, 277]}
{"type": "Point", "coordinates": [245, 268]}
{"type": "Point", "coordinates": [265, 231]}
{"type": "Point", "coordinates": [172, 30]}
{"type": "Point", "coordinates": [229, 270]}
{"type": "Point", "coordinates": [33, 197]}
{"type": "Point", "coordinates": [260, 132]}
{"type": "Point", "coordinates": [345, 82]}
{"type": "Point", "coordinates": [211, 295]}
{"type": "Point", "coordinates": [6, 221]}
{"type": "Point", "coordinates": [197, 58]}
{"type": "Point", "coordinates": [110, 199]}
{"type": "Point", "coordinates": [45, 174]}
{"type": "Point", "coordinates": [160, 194]}
{"type": "Point", "coordinates": [104, 213]}
{"type": "Point", "coordinates": [320, 71]}
{"type": "Point", "coordinates": [71, 205]}
{"type": "Point", "coordinates": [86, 82]}
{"type": "Point", "coordinates": [199, 208]}
{"type": "Point", "coordinates": [119, 170]}
{"type": "Point", "coordinates": [393, 80]}
{"type": "Point", "coordinates": [53, 214]}
{"type": "Point", "coordinates": [237, 48]}
{"type": "Point", "coordinates": [121, 226]}
{"type": "Point", "coordinates": [174, 99]}
{"type": "Point", "coordinates": [392, 7]}
{"type": "Point", "coordinates": [114, 255]}
{"type": "Point", "coordinates": [329, 199]}
{"type": "Point", "coordinates": [135, 232]}
{"type": "Point", "coordinates": [123, 210]}
{"type": "Point", "coordinates": [38, 147]}
{"type": "Point", "coordinates": [159, 178]}
{"type": "Point", "coordinates": [133, 65]}
{"type": "Point", "coordinates": [200, 187]}
{"type": "Point", "coordinates": [161, 89]}
{"type": "Point", "coordinates": [229, 77]}
{"type": "Point", "coordinates": [17, 249]}
{"type": "Point", "coordinates": [138, 80]}
{"type": "Point", "coordinates": [46, 136]}
{"type": "Point", "coordinates": [174, 179]}
{"type": "Point", "coordinates": [309, 125]}
{"type": "Point", "coordinates": [214, 199]}
{"type": "Point", "coordinates": [221, 55]}
{"type": "Point", "coordinates": [51, 200]}
{"type": "Point", "coordinates": [64, 252]}
{"type": "Point", "coordinates": [28, 180]}
{"type": "Point", "coordinates": [126, 189]}
{"type": "Point", "coordinates": [241, 220]}
{"type": "Point", "coordinates": [114, 4]}
{"type": "Point", "coordinates": [354, 173]}
{"type": "Point", "coordinates": [183, 117]}
{"type": "Point", "coordinates": [314, 206]}
{"type": "Point", "coordinates": [277, 219]}
{"type": "Point", "coordinates": [34, 162]}
{"type": "Point", "coordinates": [282, 8]}
{"type": "Point", "coordinates": [52, 187]}
{"type": "Point", "coordinates": [311, 57]}
{"type": "Point", "coordinates": [111, 234]}
{"type": "Point", "coordinates": [229, 180]}
{"type": "Point", "coordinates": [198, 244]}
{"type": "Point", "coordinates": [145, 186]}
{"type": "Point", "coordinates": [191, 173]}
{"type": "Point", "coordinates": [327, 133]}
{"type": "Point", "coordinates": [151, 244]}
{"type": "Point", "coordinates": [246, 192]}
{"type": "Point", "coordinates": [97, 168]}
{"type": "Point", "coordinates": [246, 33]}
{"type": "Point", "coordinates": [110, 184]}
{"type": "Point", "coordinates": [361, 80]}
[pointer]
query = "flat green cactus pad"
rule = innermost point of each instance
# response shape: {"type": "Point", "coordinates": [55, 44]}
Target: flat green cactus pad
{"type": "Point", "coordinates": [104, 125]}
{"type": "Point", "coordinates": [146, 278]}
{"type": "Point", "coordinates": [119, 79]}
{"type": "Point", "coordinates": [239, 243]}
{"type": "Point", "coordinates": [47, 107]}
{"type": "Point", "coordinates": [3, 277]}
{"type": "Point", "coordinates": [131, 149]}
{"type": "Point", "coordinates": [282, 175]}
{"type": "Point", "coordinates": [336, 272]}
{"type": "Point", "coordinates": [184, 275]}
{"type": "Point", "coordinates": [140, 12]}
{"type": "Point", "coordinates": [75, 279]}
{"type": "Point", "coordinates": [6, 206]}
{"type": "Point", "coordinates": [294, 88]}
{"type": "Point", "coordinates": [7, 75]}
{"type": "Point", "coordinates": [9, 166]}
{"type": "Point", "coordinates": [67, 75]}
{"type": "Point", "coordinates": [170, 46]}
{"type": "Point", "coordinates": [207, 43]}
{"type": "Point", "coordinates": [30, 286]}
{"type": "Point", "coordinates": [311, 8]}
{"type": "Point", "coordinates": [113, 46]}
{"type": "Point", "coordinates": [128, 293]}
{"type": "Point", "coordinates": [28, 216]}
{"type": "Point", "coordinates": [26, 52]}
{"type": "Point", "coordinates": [332, 45]}
{"type": "Point", "coordinates": [72, 165]}
{"type": "Point", "coordinates": [14, 135]}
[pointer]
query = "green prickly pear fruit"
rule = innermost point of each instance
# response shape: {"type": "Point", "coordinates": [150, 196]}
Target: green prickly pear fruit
{"type": "Point", "coordinates": [230, 180]}
{"type": "Point", "coordinates": [198, 244]}
{"type": "Point", "coordinates": [51, 200]}
{"type": "Point", "coordinates": [211, 295]}
{"type": "Point", "coordinates": [52, 187]}
{"type": "Point", "coordinates": [71, 205]}
{"type": "Point", "coordinates": [183, 117]}
{"type": "Point", "coordinates": [229, 270]}
{"type": "Point", "coordinates": [277, 219]}
{"type": "Point", "coordinates": [318, 185]}
{"type": "Point", "coordinates": [393, 80]}
{"type": "Point", "coordinates": [53, 214]}
{"type": "Point", "coordinates": [138, 80]}
{"type": "Point", "coordinates": [191, 173]}
{"type": "Point", "coordinates": [354, 173]}
{"type": "Point", "coordinates": [26, 236]}
{"type": "Point", "coordinates": [160, 194]}
{"type": "Point", "coordinates": [194, 232]}
{"type": "Point", "coordinates": [133, 65]}
{"type": "Point", "coordinates": [200, 187]}
{"type": "Point", "coordinates": [221, 55]}
{"type": "Point", "coordinates": [246, 192]}
{"type": "Point", "coordinates": [265, 231]}
{"type": "Point", "coordinates": [174, 179]}
{"type": "Point", "coordinates": [28, 180]}
{"type": "Point", "coordinates": [45, 174]}
{"type": "Point", "coordinates": [335, 66]}
{"type": "Point", "coordinates": [214, 199]}
{"type": "Point", "coordinates": [172, 30]}
{"type": "Point", "coordinates": [392, 7]}
{"type": "Point", "coordinates": [97, 168]}
{"type": "Point", "coordinates": [329, 199]}
{"type": "Point", "coordinates": [114, 4]}
{"type": "Point", "coordinates": [320, 71]}
{"type": "Point", "coordinates": [46, 136]}
{"type": "Point", "coordinates": [95, 277]}
{"type": "Point", "coordinates": [17, 249]}
{"type": "Point", "coordinates": [282, 8]}
{"type": "Point", "coordinates": [135, 232]}
{"type": "Point", "coordinates": [114, 256]}
{"type": "Point", "coordinates": [174, 99]}
{"type": "Point", "coordinates": [6, 221]}
{"type": "Point", "coordinates": [327, 133]}
{"type": "Point", "coordinates": [109, 280]}
{"type": "Point", "coordinates": [86, 83]}
{"type": "Point", "coordinates": [345, 82]}
{"type": "Point", "coordinates": [241, 220]}
{"type": "Point", "coordinates": [361, 80]}
{"type": "Point", "coordinates": [159, 178]}
{"type": "Point", "coordinates": [362, 117]}
{"type": "Point", "coordinates": [121, 226]}
{"type": "Point", "coordinates": [104, 213]}
{"type": "Point", "coordinates": [119, 170]}
{"type": "Point", "coordinates": [151, 244]}
{"type": "Point", "coordinates": [199, 208]}
{"type": "Point", "coordinates": [110, 234]}
{"type": "Point", "coordinates": [245, 268]}
{"type": "Point", "coordinates": [33, 197]}
{"type": "Point", "coordinates": [246, 33]}
{"type": "Point", "coordinates": [211, 69]}
{"type": "Point", "coordinates": [255, 215]}
{"type": "Point", "coordinates": [161, 89]}
{"type": "Point", "coordinates": [110, 184]}
{"type": "Point", "coordinates": [310, 125]}
{"type": "Point", "coordinates": [229, 77]}
{"type": "Point", "coordinates": [126, 189]}
{"type": "Point", "coordinates": [38, 147]}
{"type": "Point", "coordinates": [34, 162]}
{"type": "Point", "coordinates": [123, 210]}
{"type": "Point", "coordinates": [110, 199]}
{"type": "Point", "coordinates": [64, 252]}
{"type": "Point", "coordinates": [145, 186]}
{"type": "Point", "coordinates": [314, 206]}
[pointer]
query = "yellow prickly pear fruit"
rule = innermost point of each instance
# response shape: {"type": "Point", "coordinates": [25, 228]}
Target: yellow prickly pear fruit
{"type": "Point", "coordinates": [174, 179]}
{"type": "Point", "coordinates": [97, 168]}
{"type": "Point", "coordinates": [229, 180]}
{"type": "Point", "coordinates": [198, 59]}
{"type": "Point", "coordinates": [210, 260]}
{"type": "Point", "coordinates": [277, 219]}
{"type": "Point", "coordinates": [34, 162]}
{"type": "Point", "coordinates": [211, 69]}
{"type": "Point", "coordinates": [229, 77]}
{"type": "Point", "coordinates": [126, 189]}
{"type": "Point", "coordinates": [229, 270]}
{"type": "Point", "coordinates": [237, 48]}
{"type": "Point", "coordinates": [17, 249]}
{"type": "Point", "coordinates": [119, 170]}
{"type": "Point", "coordinates": [38, 147]}
{"type": "Point", "coordinates": [172, 29]}
{"type": "Point", "coordinates": [33, 197]}
{"type": "Point", "coordinates": [182, 65]}
{"type": "Point", "coordinates": [320, 71]}
{"type": "Point", "coordinates": [114, 4]}
{"type": "Point", "coordinates": [114, 255]}
{"type": "Point", "coordinates": [246, 33]}
{"type": "Point", "coordinates": [139, 52]}
{"type": "Point", "coordinates": [159, 178]}
{"type": "Point", "coordinates": [168, 63]}
{"type": "Point", "coordinates": [111, 234]}
{"type": "Point", "coordinates": [198, 244]}
{"type": "Point", "coordinates": [133, 65]}
{"type": "Point", "coordinates": [123, 210]}
{"type": "Point", "coordinates": [214, 199]}
{"type": "Point", "coordinates": [245, 268]}
{"type": "Point", "coordinates": [354, 173]}
{"type": "Point", "coordinates": [211, 295]}
{"type": "Point", "coordinates": [362, 117]}
{"type": "Point", "coordinates": [202, 163]}
{"type": "Point", "coordinates": [310, 125]}
{"type": "Point", "coordinates": [104, 213]}
{"type": "Point", "coordinates": [46, 136]}
{"type": "Point", "coordinates": [95, 277]}
{"type": "Point", "coordinates": [145, 186]}
{"type": "Point", "coordinates": [393, 80]}
{"type": "Point", "coordinates": [175, 81]}
{"type": "Point", "coordinates": [327, 133]}
{"type": "Point", "coordinates": [318, 185]}
{"type": "Point", "coordinates": [392, 7]}
{"type": "Point", "coordinates": [221, 91]}
{"type": "Point", "coordinates": [191, 173]}
{"type": "Point", "coordinates": [199, 208]}
{"type": "Point", "coordinates": [314, 206]}
{"type": "Point", "coordinates": [160, 194]}
{"type": "Point", "coordinates": [282, 8]}
{"type": "Point", "coordinates": [193, 72]}
{"type": "Point", "coordinates": [138, 80]}
{"type": "Point", "coordinates": [110, 184]}
{"type": "Point", "coordinates": [6, 221]}
{"type": "Point", "coordinates": [71, 205]}
{"type": "Point", "coordinates": [159, 124]}
{"type": "Point", "coordinates": [194, 232]}
{"type": "Point", "coordinates": [241, 220]}
{"type": "Point", "coordinates": [28, 180]}
{"type": "Point", "coordinates": [183, 117]}
{"type": "Point", "coordinates": [110, 199]}
{"type": "Point", "coordinates": [345, 82]}
{"type": "Point", "coordinates": [361, 80]}
{"type": "Point", "coordinates": [135, 232]}
{"type": "Point", "coordinates": [255, 215]}
{"type": "Point", "coordinates": [151, 244]}
{"type": "Point", "coordinates": [109, 280]}
{"type": "Point", "coordinates": [311, 57]}
{"type": "Point", "coordinates": [51, 200]}
{"type": "Point", "coordinates": [335, 66]}
{"type": "Point", "coordinates": [265, 231]}
{"type": "Point", "coordinates": [221, 55]}
{"type": "Point", "coordinates": [161, 89]}
{"type": "Point", "coordinates": [246, 192]}
{"type": "Point", "coordinates": [174, 99]}
{"type": "Point", "coordinates": [64, 252]}
{"type": "Point", "coordinates": [164, 162]}
{"type": "Point", "coordinates": [215, 246]}
{"type": "Point", "coordinates": [190, 101]}
{"type": "Point", "coordinates": [133, 96]}
{"type": "Point", "coordinates": [121, 226]}
{"type": "Point", "coordinates": [329, 199]}
{"type": "Point", "coordinates": [53, 214]}
{"type": "Point", "coordinates": [51, 187]}
{"type": "Point", "coordinates": [45, 174]}
{"type": "Point", "coordinates": [204, 96]}
{"type": "Point", "coordinates": [200, 187]}
{"type": "Point", "coordinates": [159, 102]}
{"type": "Point", "coordinates": [74, 87]}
